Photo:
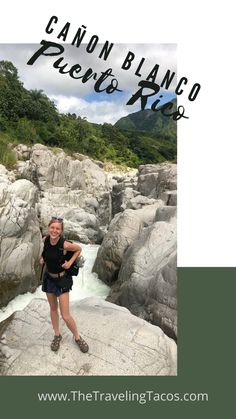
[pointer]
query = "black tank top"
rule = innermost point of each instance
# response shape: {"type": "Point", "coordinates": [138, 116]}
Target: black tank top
{"type": "Point", "coordinates": [53, 256]}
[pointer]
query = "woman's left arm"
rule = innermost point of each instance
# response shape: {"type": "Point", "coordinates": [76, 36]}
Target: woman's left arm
{"type": "Point", "coordinates": [72, 247]}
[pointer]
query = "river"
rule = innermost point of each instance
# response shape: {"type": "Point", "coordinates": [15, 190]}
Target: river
{"type": "Point", "coordinates": [86, 284]}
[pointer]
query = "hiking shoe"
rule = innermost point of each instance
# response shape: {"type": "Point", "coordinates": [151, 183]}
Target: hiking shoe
{"type": "Point", "coordinates": [82, 344]}
{"type": "Point", "coordinates": [55, 345]}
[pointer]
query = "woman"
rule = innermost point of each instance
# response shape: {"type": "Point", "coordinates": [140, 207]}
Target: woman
{"type": "Point", "coordinates": [57, 282]}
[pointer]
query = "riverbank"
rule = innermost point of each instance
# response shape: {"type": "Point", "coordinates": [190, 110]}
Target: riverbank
{"type": "Point", "coordinates": [86, 284]}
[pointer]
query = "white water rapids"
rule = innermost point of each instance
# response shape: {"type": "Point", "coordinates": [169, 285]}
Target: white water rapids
{"type": "Point", "coordinates": [86, 284]}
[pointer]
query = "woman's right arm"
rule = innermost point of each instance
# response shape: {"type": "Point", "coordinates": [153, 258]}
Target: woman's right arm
{"type": "Point", "coordinates": [41, 260]}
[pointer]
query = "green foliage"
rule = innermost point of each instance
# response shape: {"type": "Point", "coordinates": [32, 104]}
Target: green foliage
{"type": "Point", "coordinates": [17, 102]}
{"type": "Point", "coordinates": [25, 131]}
{"type": "Point", "coordinates": [39, 107]}
{"type": "Point", "coordinates": [11, 91]}
{"type": "Point", "coordinates": [149, 148]}
{"type": "Point", "coordinates": [7, 156]}
{"type": "Point", "coordinates": [3, 123]}
{"type": "Point", "coordinates": [152, 122]}
{"type": "Point", "coordinates": [30, 116]}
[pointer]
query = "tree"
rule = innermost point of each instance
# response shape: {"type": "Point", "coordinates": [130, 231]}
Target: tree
{"type": "Point", "coordinates": [11, 91]}
{"type": "Point", "coordinates": [8, 70]}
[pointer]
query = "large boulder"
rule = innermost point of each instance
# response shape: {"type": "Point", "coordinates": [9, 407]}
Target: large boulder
{"type": "Point", "coordinates": [5, 175]}
{"type": "Point", "coordinates": [53, 168]}
{"type": "Point", "coordinates": [161, 303]}
{"type": "Point", "coordinates": [47, 168]}
{"type": "Point", "coordinates": [119, 343]}
{"type": "Point", "coordinates": [166, 213]}
{"type": "Point", "coordinates": [154, 179]}
{"type": "Point", "coordinates": [123, 230]}
{"type": "Point", "coordinates": [152, 182]}
{"type": "Point", "coordinates": [124, 189]}
{"type": "Point", "coordinates": [147, 280]}
{"type": "Point", "coordinates": [76, 190]}
{"type": "Point", "coordinates": [22, 152]}
{"type": "Point", "coordinates": [82, 213]}
{"type": "Point", "coordinates": [20, 243]}
{"type": "Point", "coordinates": [169, 197]}
{"type": "Point", "coordinates": [148, 213]}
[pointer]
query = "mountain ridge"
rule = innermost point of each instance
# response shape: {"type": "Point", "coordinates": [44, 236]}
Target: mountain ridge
{"type": "Point", "coordinates": [150, 121]}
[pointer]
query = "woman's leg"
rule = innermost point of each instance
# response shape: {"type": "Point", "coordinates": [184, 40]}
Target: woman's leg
{"type": "Point", "coordinates": [52, 299]}
{"type": "Point", "coordinates": [65, 312]}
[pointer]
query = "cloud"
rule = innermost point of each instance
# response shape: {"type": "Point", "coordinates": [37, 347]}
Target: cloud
{"type": "Point", "coordinates": [76, 96]}
{"type": "Point", "coordinates": [95, 111]}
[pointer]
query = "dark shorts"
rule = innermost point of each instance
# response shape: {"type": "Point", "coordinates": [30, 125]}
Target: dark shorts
{"type": "Point", "coordinates": [57, 286]}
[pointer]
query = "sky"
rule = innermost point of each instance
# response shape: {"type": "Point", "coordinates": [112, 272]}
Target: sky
{"type": "Point", "coordinates": [72, 96]}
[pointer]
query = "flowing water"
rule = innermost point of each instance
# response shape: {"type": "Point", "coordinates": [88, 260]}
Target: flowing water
{"type": "Point", "coordinates": [86, 284]}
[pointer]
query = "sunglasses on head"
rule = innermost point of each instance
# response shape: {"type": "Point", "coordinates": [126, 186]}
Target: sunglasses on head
{"type": "Point", "coordinates": [57, 219]}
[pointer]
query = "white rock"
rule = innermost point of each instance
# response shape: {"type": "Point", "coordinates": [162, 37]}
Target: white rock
{"type": "Point", "coordinates": [119, 343]}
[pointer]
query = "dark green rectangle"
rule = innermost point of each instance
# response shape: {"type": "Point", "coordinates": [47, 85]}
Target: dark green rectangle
{"type": "Point", "coordinates": [206, 363]}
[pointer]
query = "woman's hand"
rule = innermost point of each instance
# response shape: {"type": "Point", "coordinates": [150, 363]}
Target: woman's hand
{"type": "Point", "coordinates": [66, 265]}
{"type": "Point", "coordinates": [41, 261]}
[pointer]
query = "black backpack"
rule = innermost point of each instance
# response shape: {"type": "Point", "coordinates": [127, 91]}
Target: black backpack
{"type": "Point", "coordinates": [74, 269]}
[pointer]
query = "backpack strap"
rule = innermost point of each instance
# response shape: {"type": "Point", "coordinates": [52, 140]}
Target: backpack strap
{"type": "Point", "coordinates": [61, 247]}
{"type": "Point", "coordinates": [45, 245]}
{"type": "Point", "coordinates": [61, 243]}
